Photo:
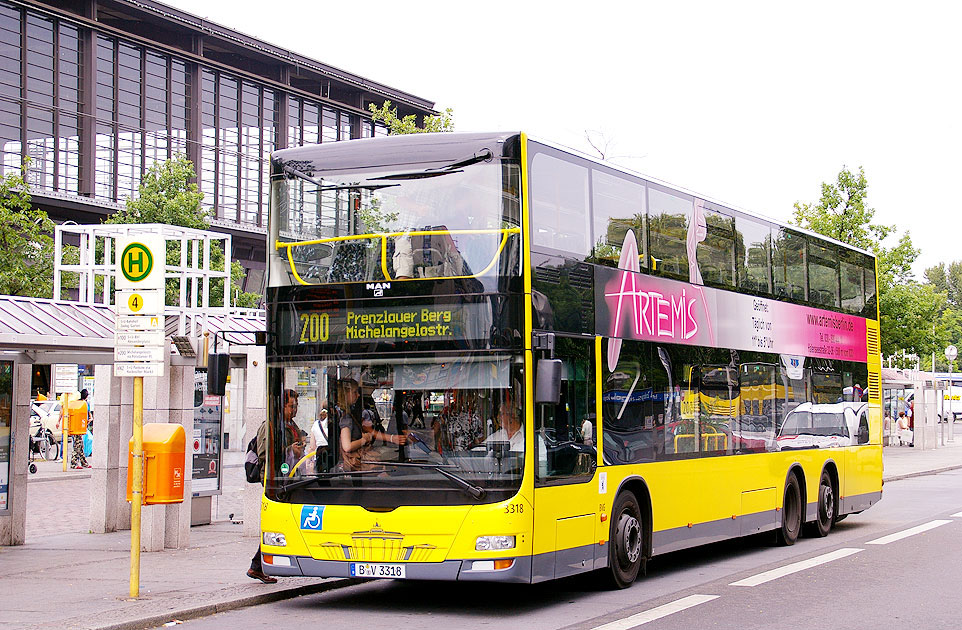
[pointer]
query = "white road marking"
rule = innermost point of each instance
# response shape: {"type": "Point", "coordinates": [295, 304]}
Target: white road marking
{"type": "Point", "coordinates": [957, 515]}
{"type": "Point", "coordinates": [657, 613]}
{"type": "Point", "coordinates": [884, 540]}
{"type": "Point", "coordinates": [795, 567]}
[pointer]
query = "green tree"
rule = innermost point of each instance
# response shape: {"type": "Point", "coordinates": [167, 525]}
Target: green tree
{"type": "Point", "coordinates": [26, 247]}
{"type": "Point", "coordinates": [843, 213]}
{"type": "Point", "coordinates": [947, 279]}
{"type": "Point", "coordinates": [388, 115]}
{"type": "Point", "coordinates": [168, 195]}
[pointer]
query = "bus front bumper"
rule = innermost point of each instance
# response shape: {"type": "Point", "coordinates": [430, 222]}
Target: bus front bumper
{"type": "Point", "coordinates": [449, 570]}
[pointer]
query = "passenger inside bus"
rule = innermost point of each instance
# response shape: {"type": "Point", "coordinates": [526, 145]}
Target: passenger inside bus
{"type": "Point", "coordinates": [358, 429]}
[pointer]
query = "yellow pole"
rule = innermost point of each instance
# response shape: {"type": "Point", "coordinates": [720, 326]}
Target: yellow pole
{"type": "Point", "coordinates": [136, 492]}
{"type": "Point", "coordinates": [64, 418]}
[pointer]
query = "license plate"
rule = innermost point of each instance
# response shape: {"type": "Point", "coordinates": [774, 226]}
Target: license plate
{"type": "Point", "coordinates": [366, 570]}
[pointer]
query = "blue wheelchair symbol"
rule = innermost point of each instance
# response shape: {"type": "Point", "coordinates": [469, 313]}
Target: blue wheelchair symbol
{"type": "Point", "coordinates": [312, 517]}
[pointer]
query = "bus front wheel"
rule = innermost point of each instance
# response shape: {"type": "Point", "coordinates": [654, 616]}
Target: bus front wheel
{"type": "Point", "coordinates": [625, 549]}
{"type": "Point", "coordinates": [791, 513]}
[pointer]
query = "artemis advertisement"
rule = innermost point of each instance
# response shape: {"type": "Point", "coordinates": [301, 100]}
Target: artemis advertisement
{"type": "Point", "coordinates": [637, 306]}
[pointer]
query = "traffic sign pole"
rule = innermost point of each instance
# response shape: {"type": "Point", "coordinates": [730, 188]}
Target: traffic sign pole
{"type": "Point", "coordinates": [139, 340]}
{"type": "Point", "coordinates": [136, 492]}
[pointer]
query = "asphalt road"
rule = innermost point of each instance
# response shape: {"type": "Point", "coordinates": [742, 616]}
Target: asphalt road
{"type": "Point", "coordinates": [897, 565]}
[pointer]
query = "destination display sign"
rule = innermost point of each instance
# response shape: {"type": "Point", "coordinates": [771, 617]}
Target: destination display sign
{"type": "Point", "coordinates": [303, 325]}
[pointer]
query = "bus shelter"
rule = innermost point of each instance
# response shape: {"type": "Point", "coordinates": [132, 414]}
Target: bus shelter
{"type": "Point", "coordinates": [37, 332]}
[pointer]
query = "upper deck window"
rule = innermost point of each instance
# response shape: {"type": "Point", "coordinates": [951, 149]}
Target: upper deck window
{"type": "Point", "coordinates": [669, 214]}
{"type": "Point", "coordinates": [559, 199]}
{"type": "Point", "coordinates": [618, 205]}
{"type": "Point", "coordinates": [396, 224]}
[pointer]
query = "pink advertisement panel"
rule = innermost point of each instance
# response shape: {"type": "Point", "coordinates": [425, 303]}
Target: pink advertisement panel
{"type": "Point", "coordinates": [632, 305]}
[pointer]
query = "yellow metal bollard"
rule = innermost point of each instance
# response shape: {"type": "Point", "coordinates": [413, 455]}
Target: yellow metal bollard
{"type": "Point", "coordinates": [136, 500]}
{"type": "Point", "coordinates": [64, 401]}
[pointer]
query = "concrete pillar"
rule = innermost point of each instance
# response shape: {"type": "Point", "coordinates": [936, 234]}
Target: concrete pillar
{"type": "Point", "coordinates": [13, 522]}
{"type": "Point", "coordinates": [181, 411]}
{"type": "Point", "coordinates": [108, 480]}
{"type": "Point", "coordinates": [255, 412]}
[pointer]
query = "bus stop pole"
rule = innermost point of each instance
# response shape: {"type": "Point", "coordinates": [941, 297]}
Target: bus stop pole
{"type": "Point", "coordinates": [64, 436]}
{"type": "Point", "coordinates": [136, 489]}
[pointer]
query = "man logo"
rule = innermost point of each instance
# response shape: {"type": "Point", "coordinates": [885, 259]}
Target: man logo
{"type": "Point", "coordinates": [378, 287]}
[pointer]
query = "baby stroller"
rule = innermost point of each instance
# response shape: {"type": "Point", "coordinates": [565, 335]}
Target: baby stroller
{"type": "Point", "coordinates": [42, 444]}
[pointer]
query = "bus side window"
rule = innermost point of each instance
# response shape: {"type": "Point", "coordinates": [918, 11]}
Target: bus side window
{"type": "Point", "coordinates": [559, 199]}
{"type": "Point", "coordinates": [617, 207]}
{"type": "Point", "coordinates": [566, 452]}
{"type": "Point", "coordinates": [668, 232]}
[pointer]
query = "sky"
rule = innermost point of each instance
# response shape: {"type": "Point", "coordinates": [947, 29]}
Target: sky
{"type": "Point", "coordinates": [754, 104]}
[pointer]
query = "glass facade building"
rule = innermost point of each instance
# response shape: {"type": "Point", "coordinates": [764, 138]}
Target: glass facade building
{"type": "Point", "coordinates": [95, 91]}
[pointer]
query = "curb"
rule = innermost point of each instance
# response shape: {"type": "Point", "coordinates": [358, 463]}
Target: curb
{"type": "Point", "coordinates": [196, 612]}
{"type": "Point", "coordinates": [921, 473]}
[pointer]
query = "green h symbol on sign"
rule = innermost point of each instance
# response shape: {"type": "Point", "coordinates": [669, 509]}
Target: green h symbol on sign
{"type": "Point", "coordinates": [136, 262]}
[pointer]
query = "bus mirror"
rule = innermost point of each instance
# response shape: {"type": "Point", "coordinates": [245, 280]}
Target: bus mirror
{"type": "Point", "coordinates": [548, 384]}
{"type": "Point", "coordinates": [217, 369]}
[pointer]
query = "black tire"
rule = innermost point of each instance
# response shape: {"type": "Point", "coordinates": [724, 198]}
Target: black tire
{"type": "Point", "coordinates": [32, 468]}
{"type": "Point", "coordinates": [51, 450]}
{"type": "Point", "coordinates": [791, 513]}
{"type": "Point", "coordinates": [626, 553]}
{"type": "Point", "coordinates": [826, 513]}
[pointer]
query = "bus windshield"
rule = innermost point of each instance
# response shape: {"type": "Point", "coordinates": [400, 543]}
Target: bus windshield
{"type": "Point", "coordinates": [460, 221]}
{"type": "Point", "coordinates": [450, 425]}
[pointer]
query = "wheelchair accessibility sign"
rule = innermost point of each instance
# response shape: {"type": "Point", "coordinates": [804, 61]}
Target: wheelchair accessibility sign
{"type": "Point", "coordinates": [312, 517]}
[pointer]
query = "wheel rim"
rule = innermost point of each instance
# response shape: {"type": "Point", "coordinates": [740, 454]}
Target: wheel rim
{"type": "Point", "coordinates": [828, 503]}
{"type": "Point", "coordinates": [630, 540]}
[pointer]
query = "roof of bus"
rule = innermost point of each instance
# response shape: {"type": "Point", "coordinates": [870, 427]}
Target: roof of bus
{"type": "Point", "coordinates": [431, 150]}
{"type": "Point", "coordinates": [422, 149]}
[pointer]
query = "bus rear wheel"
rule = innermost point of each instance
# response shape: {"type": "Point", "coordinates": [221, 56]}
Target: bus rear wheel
{"type": "Point", "coordinates": [625, 549]}
{"type": "Point", "coordinates": [791, 513]}
{"type": "Point", "coordinates": [825, 516]}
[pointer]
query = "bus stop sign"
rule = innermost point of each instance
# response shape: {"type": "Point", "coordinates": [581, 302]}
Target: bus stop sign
{"type": "Point", "coordinates": [951, 352]}
{"type": "Point", "coordinates": [142, 262]}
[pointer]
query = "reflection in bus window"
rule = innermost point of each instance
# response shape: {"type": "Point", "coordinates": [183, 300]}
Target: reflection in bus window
{"type": "Point", "coordinates": [563, 452]}
{"type": "Point", "coordinates": [753, 240]}
{"type": "Point", "coordinates": [668, 230]}
{"type": "Point", "coordinates": [788, 265]}
{"type": "Point", "coordinates": [618, 205]}
{"type": "Point", "coordinates": [716, 254]}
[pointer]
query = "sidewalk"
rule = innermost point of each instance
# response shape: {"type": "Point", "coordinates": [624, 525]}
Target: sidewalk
{"type": "Point", "coordinates": [80, 581]}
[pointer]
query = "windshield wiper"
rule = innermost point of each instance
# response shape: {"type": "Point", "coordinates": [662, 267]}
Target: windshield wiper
{"type": "Point", "coordinates": [300, 483]}
{"type": "Point", "coordinates": [332, 187]}
{"type": "Point", "coordinates": [476, 492]}
{"type": "Point", "coordinates": [483, 155]}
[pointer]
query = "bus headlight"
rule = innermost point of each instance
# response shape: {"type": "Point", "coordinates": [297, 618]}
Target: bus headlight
{"type": "Point", "coordinates": [275, 539]}
{"type": "Point", "coordinates": [494, 543]}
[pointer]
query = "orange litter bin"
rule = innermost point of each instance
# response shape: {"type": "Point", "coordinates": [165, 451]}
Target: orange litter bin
{"type": "Point", "coordinates": [77, 417]}
{"type": "Point", "coordinates": [163, 463]}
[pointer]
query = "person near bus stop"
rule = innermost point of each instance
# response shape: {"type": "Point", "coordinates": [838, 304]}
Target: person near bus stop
{"type": "Point", "coordinates": [292, 433]}
{"type": "Point", "coordinates": [586, 436]}
{"type": "Point", "coordinates": [78, 460]}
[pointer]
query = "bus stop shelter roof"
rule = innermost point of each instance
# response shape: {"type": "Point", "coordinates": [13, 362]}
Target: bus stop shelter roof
{"type": "Point", "coordinates": [59, 331]}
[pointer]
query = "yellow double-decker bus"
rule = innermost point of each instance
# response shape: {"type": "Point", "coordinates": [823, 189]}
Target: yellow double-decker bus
{"type": "Point", "coordinates": [490, 358]}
